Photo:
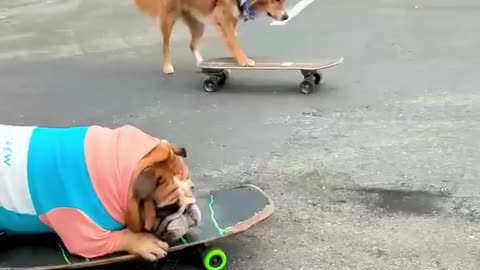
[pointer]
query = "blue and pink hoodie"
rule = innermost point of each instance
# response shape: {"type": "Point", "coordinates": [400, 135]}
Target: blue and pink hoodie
{"type": "Point", "coordinates": [52, 178]}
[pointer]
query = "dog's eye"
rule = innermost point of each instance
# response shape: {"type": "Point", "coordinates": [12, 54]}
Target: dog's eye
{"type": "Point", "coordinates": [193, 189]}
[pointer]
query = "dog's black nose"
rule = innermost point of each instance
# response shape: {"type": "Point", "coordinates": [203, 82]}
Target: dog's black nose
{"type": "Point", "coordinates": [285, 16]}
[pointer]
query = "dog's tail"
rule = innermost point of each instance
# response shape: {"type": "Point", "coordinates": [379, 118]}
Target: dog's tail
{"type": "Point", "coordinates": [149, 7]}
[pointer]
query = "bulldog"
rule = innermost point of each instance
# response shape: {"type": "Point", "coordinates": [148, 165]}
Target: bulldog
{"type": "Point", "coordinates": [98, 189]}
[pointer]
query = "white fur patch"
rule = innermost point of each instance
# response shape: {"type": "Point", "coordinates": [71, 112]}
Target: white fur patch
{"type": "Point", "coordinates": [168, 69]}
{"type": "Point", "coordinates": [198, 57]}
{"type": "Point", "coordinates": [236, 12]}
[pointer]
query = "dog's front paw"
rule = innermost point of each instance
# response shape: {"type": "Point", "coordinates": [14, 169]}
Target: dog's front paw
{"type": "Point", "coordinates": [168, 69]}
{"type": "Point", "coordinates": [149, 247]}
{"type": "Point", "coordinates": [198, 57]}
{"type": "Point", "coordinates": [246, 62]}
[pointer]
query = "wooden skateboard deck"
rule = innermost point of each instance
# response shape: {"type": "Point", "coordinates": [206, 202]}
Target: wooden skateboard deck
{"type": "Point", "coordinates": [225, 212]}
{"type": "Point", "coordinates": [216, 69]}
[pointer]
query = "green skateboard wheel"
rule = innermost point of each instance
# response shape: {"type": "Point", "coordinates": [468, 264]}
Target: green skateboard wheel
{"type": "Point", "coordinates": [214, 259]}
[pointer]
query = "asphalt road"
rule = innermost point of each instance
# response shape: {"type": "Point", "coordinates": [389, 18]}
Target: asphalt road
{"type": "Point", "coordinates": [376, 170]}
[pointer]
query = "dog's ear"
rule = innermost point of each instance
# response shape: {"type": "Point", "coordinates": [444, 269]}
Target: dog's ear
{"type": "Point", "coordinates": [160, 153]}
{"type": "Point", "coordinates": [148, 180]}
{"type": "Point", "coordinates": [179, 150]}
{"type": "Point", "coordinates": [145, 184]}
{"type": "Point", "coordinates": [155, 170]}
{"type": "Point", "coordinates": [143, 189]}
{"type": "Point", "coordinates": [163, 150]}
{"type": "Point", "coordinates": [149, 214]}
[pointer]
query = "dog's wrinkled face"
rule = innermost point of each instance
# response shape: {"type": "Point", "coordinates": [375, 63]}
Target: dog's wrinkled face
{"type": "Point", "coordinates": [170, 227]}
{"type": "Point", "coordinates": [161, 182]}
{"type": "Point", "coordinates": [274, 8]}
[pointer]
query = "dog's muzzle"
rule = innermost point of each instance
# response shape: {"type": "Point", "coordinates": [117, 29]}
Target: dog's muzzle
{"type": "Point", "coordinates": [284, 16]}
{"type": "Point", "coordinates": [172, 227]}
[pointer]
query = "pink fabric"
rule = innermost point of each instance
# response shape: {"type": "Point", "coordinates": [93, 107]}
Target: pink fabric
{"type": "Point", "coordinates": [85, 239]}
{"type": "Point", "coordinates": [111, 157]}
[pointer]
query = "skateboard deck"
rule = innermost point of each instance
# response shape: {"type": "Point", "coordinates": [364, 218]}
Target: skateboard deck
{"type": "Point", "coordinates": [216, 69]}
{"type": "Point", "coordinates": [225, 212]}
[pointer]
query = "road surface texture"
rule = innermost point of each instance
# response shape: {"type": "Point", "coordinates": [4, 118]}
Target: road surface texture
{"type": "Point", "coordinates": [378, 169]}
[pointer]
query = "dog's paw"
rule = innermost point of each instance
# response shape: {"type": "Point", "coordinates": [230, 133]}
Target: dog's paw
{"type": "Point", "coordinates": [246, 62]}
{"type": "Point", "coordinates": [150, 247]}
{"type": "Point", "coordinates": [198, 57]}
{"type": "Point", "coordinates": [168, 69]}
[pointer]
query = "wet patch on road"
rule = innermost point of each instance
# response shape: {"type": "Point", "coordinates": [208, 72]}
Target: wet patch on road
{"type": "Point", "coordinates": [330, 188]}
{"type": "Point", "coordinates": [322, 190]}
{"type": "Point", "coordinates": [394, 201]}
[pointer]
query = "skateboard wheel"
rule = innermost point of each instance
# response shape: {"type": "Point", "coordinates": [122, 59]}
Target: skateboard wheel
{"type": "Point", "coordinates": [306, 87]}
{"type": "Point", "coordinates": [214, 259]}
{"type": "Point", "coordinates": [211, 85]}
{"type": "Point", "coordinates": [317, 77]}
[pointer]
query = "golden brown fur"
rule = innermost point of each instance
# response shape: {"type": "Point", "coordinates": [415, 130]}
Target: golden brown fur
{"type": "Point", "coordinates": [223, 14]}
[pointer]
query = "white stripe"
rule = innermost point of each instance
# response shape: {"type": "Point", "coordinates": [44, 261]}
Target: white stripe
{"type": "Point", "coordinates": [14, 191]}
{"type": "Point", "coordinates": [292, 12]}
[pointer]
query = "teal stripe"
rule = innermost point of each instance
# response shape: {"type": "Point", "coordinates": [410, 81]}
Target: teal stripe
{"type": "Point", "coordinates": [58, 175]}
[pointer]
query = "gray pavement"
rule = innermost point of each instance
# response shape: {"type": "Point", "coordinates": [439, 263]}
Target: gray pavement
{"type": "Point", "coordinates": [377, 170]}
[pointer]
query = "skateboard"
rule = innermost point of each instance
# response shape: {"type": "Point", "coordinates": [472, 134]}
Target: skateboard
{"type": "Point", "coordinates": [216, 70]}
{"type": "Point", "coordinates": [225, 212]}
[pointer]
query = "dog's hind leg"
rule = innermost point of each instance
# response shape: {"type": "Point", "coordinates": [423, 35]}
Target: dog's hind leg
{"type": "Point", "coordinates": [197, 29]}
{"type": "Point", "coordinates": [167, 21]}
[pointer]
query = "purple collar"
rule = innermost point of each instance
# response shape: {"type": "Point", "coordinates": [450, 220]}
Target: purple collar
{"type": "Point", "coordinates": [247, 10]}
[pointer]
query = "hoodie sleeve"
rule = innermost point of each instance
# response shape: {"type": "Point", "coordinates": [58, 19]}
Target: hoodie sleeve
{"type": "Point", "coordinates": [80, 234]}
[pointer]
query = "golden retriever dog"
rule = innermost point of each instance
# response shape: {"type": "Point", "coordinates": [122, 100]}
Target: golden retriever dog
{"type": "Point", "coordinates": [223, 14]}
{"type": "Point", "coordinates": [97, 188]}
